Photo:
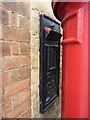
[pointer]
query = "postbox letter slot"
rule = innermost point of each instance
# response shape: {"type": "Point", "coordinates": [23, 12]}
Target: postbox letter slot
{"type": "Point", "coordinates": [52, 34]}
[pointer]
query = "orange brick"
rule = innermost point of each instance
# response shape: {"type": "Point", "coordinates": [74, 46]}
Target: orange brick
{"type": "Point", "coordinates": [27, 114]}
{"type": "Point", "coordinates": [6, 78]}
{"type": "Point", "coordinates": [25, 61]}
{"type": "Point", "coordinates": [24, 23]}
{"type": "Point", "coordinates": [24, 95]}
{"type": "Point", "coordinates": [24, 36]}
{"type": "Point", "coordinates": [15, 88]}
{"type": "Point", "coordinates": [24, 9]}
{"type": "Point", "coordinates": [19, 110]}
{"type": "Point", "coordinates": [0, 48]}
{"type": "Point", "coordinates": [1, 93]}
{"type": "Point", "coordinates": [5, 48]}
{"type": "Point", "coordinates": [6, 106]}
{"type": "Point", "coordinates": [18, 7]}
{"type": "Point", "coordinates": [4, 17]}
{"type": "Point", "coordinates": [0, 110]}
{"type": "Point", "coordinates": [0, 32]}
{"type": "Point", "coordinates": [0, 16]}
{"type": "Point", "coordinates": [26, 105]}
{"type": "Point", "coordinates": [13, 6]}
{"type": "Point", "coordinates": [1, 59]}
{"type": "Point", "coordinates": [0, 79]}
{"type": "Point", "coordinates": [15, 48]}
{"type": "Point", "coordinates": [15, 100]}
{"type": "Point", "coordinates": [10, 63]}
{"type": "Point", "coordinates": [25, 73]}
{"type": "Point", "coordinates": [11, 33]}
{"type": "Point", "coordinates": [13, 19]}
{"type": "Point", "coordinates": [0, 3]}
{"type": "Point", "coordinates": [14, 75]}
{"type": "Point", "coordinates": [25, 48]}
{"type": "Point", "coordinates": [14, 62]}
{"type": "Point", "coordinates": [9, 77]}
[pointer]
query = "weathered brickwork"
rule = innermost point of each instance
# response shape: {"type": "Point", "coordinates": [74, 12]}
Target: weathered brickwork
{"type": "Point", "coordinates": [15, 74]}
{"type": "Point", "coordinates": [37, 8]}
{"type": "Point", "coordinates": [19, 59]}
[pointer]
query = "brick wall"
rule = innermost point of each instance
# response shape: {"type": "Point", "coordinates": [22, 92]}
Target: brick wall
{"type": "Point", "coordinates": [15, 65]}
{"type": "Point", "coordinates": [19, 59]}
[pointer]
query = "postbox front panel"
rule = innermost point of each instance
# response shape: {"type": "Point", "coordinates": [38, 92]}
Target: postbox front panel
{"type": "Point", "coordinates": [70, 24]}
{"type": "Point", "coordinates": [49, 62]}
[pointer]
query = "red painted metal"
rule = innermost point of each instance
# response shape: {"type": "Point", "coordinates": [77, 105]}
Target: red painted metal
{"type": "Point", "coordinates": [74, 19]}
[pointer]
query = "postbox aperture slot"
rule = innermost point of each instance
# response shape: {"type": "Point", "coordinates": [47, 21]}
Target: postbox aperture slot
{"type": "Point", "coordinates": [52, 34]}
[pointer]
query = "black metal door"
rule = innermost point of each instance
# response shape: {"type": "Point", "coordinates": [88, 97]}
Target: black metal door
{"type": "Point", "coordinates": [49, 61]}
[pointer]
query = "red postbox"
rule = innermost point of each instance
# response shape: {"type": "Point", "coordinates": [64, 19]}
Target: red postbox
{"type": "Point", "coordinates": [74, 21]}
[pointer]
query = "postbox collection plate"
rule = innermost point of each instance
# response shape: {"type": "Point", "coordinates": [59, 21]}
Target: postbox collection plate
{"type": "Point", "coordinates": [49, 62]}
